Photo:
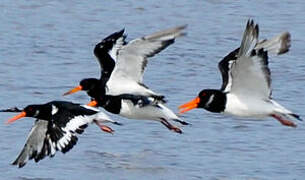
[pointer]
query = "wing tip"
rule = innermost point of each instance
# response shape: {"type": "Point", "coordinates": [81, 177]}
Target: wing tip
{"type": "Point", "coordinates": [249, 39]}
{"type": "Point", "coordinates": [167, 34]}
{"type": "Point", "coordinates": [182, 27]}
{"type": "Point", "coordinates": [19, 163]}
{"type": "Point", "coordinates": [180, 31]}
{"type": "Point", "coordinates": [252, 28]}
{"type": "Point", "coordinates": [277, 45]}
{"type": "Point", "coordinates": [285, 40]}
{"type": "Point", "coordinates": [120, 32]}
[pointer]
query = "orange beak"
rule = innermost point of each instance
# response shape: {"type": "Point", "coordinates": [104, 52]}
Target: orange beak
{"type": "Point", "coordinates": [74, 90]}
{"type": "Point", "coordinates": [92, 103]}
{"type": "Point", "coordinates": [21, 115]}
{"type": "Point", "coordinates": [189, 105]}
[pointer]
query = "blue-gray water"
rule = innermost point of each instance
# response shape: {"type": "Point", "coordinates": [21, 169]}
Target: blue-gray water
{"type": "Point", "coordinates": [46, 48]}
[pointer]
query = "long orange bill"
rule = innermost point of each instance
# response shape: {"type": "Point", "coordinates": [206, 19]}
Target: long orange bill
{"type": "Point", "coordinates": [189, 105]}
{"type": "Point", "coordinates": [92, 103]}
{"type": "Point", "coordinates": [74, 90]}
{"type": "Point", "coordinates": [21, 115]}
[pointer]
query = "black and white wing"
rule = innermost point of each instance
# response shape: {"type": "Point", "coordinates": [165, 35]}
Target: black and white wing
{"type": "Point", "coordinates": [277, 45]}
{"type": "Point", "coordinates": [36, 144]}
{"type": "Point", "coordinates": [225, 66]}
{"type": "Point", "coordinates": [46, 138]}
{"type": "Point", "coordinates": [107, 50]}
{"type": "Point", "coordinates": [70, 119]}
{"type": "Point", "coordinates": [250, 73]}
{"type": "Point", "coordinates": [127, 76]}
{"type": "Point", "coordinates": [59, 134]}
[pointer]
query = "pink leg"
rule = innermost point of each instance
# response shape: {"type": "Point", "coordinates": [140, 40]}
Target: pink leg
{"type": "Point", "coordinates": [170, 126]}
{"type": "Point", "coordinates": [283, 121]}
{"type": "Point", "coordinates": [104, 128]}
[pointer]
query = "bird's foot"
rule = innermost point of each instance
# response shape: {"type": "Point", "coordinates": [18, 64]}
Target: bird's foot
{"type": "Point", "coordinates": [105, 128]}
{"type": "Point", "coordinates": [283, 121]}
{"type": "Point", "coordinates": [170, 126]}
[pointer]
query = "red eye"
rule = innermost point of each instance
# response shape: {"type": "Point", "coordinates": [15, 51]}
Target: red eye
{"type": "Point", "coordinates": [30, 109]}
{"type": "Point", "coordinates": [203, 94]}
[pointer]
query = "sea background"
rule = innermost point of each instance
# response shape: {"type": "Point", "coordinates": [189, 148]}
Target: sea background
{"type": "Point", "coordinates": [46, 48]}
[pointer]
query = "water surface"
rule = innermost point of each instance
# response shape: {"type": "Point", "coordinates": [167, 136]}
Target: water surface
{"type": "Point", "coordinates": [46, 48]}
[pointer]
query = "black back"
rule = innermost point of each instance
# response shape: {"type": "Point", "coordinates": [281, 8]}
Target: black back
{"type": "Point", "coordinates": [67, 111]}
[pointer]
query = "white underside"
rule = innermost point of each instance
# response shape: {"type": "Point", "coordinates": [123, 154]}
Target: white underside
{"type": "Point", "coordinates": [252, 107]}
{"type": "Point", "coordinates": [148, 112]}
{"type": "Point", "coordinates": [127, 86]}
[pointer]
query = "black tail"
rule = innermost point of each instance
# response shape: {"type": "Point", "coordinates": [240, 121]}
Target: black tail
{"type": "Point", "coordinates": [181, 122]}
{"type": "Point", "coordinates": [296, 116]}
{"type": "Point", "coordinates": [117, 123]}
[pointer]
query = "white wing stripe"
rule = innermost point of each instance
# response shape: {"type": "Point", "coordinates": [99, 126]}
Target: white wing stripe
{"type": "Point", "coordinates": [114, 51]}
{"type": "Point", "coordinates": [54, 110]}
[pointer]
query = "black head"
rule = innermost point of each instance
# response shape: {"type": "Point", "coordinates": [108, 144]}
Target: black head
{"type": "Point", "coordinates": [32, 110]}
{"type": "Point", "coordinates": [95, 88]}
{"type": "Point", "coordinates": [209, 99]}
{"type": "Point", "coordinates": [206, 97]}
{"type": "Point", "coordinates": [89, 84]}
{"type": "Point", "coordinates": [36, 111]}
{"type": "Point", "coordinates": [84, 85]}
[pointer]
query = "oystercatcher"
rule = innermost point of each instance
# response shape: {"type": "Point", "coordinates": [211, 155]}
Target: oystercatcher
{"type": "Point", "coordinates": [56, 128]}
{"type": "Point", "coordinates": [123, 64]}
{"type": "Point", "coordinates": [130, 97]}
{"type": "Point", "coordinates": [105, 52]}
{"type": "Point", "coordinates": [132, 108]}
{"type": "Point", "coordinates": [132, 58]}
{"type": "Point", "coordinates": [246, 88]}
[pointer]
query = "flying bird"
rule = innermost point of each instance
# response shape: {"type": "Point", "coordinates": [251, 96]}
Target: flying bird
{"type": "Point", "coordinates": [246, 87]}
{"type": "Point", "coordinates": [105, 52]}
{"type": "Point", "coordinates": [123, 92]}
{"type": "Point", "coordinates": [56, 127]}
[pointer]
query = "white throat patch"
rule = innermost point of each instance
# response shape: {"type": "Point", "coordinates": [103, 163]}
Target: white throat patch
{"type": "Point", "coordinates": [36, 113]}
{"type": "Point", "coordinates": [210, 100]}
{"type": "Point", "coordinates": [54, 110]}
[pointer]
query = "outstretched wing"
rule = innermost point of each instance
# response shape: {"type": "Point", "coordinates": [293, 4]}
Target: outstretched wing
{"type": "Point", "coordinates": [107, 50]}
{"type": "Point", "coordinates": [277, 45]}
{"type": "Point", "coordinates": [250, 72]}
{"type": "Point", "coordinates": [132, 59]}
{"type": "Point", "coordinates": [252, 64]}
{"type": "Point", "coordinates": [58, 134]}
{"type": "Point", "coordinates": [35, 144]}
{"type": "Point", "coordinates": [46, 138]}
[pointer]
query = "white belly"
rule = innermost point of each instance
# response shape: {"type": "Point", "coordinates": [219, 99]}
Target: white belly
{"type": "Point", "coordinates": [248, 107]}
{"type": "Point", "coordinates": [147, 112]}
{"type": "Point", "coordinates": [127, 86]}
